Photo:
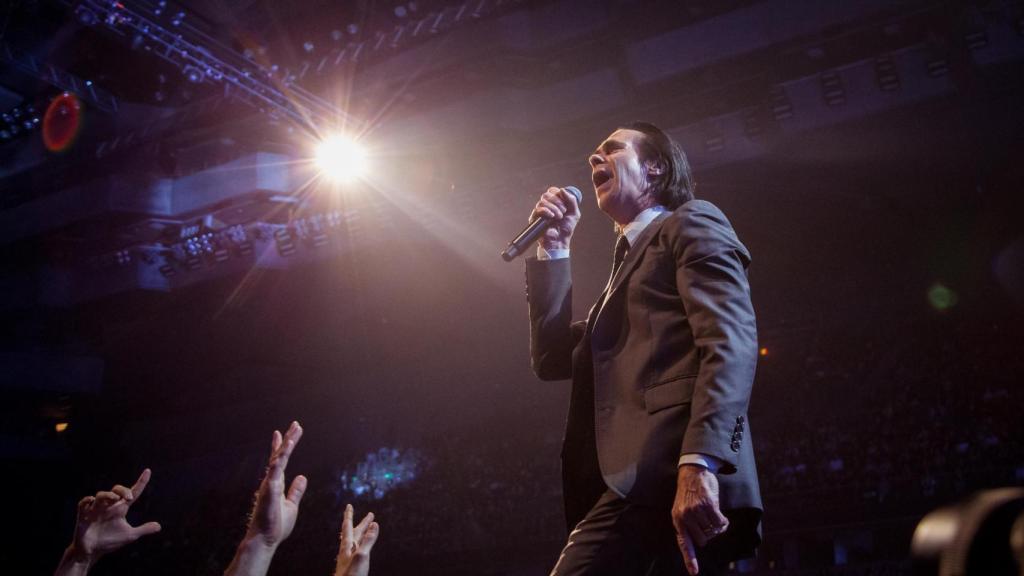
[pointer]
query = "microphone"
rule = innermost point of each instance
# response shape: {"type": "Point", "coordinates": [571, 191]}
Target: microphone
{"type": "Point", "coordinates": [534, 229]}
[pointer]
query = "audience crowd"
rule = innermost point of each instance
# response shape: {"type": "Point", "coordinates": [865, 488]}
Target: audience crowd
{"type": "Point", "coordinates": [859, 429]}
{"type": "Point", "coordinates": [923, 414]}
{"type": "Point", "coordinates": [102, 526]}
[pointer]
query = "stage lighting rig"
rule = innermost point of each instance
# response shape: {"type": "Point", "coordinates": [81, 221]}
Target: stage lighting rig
{"type": "Point", "coordinates": [17, 122]}
{"type": "Point", "coordinates": [27, 63]}
{"type": "Point", "coordinates": [204, 60]}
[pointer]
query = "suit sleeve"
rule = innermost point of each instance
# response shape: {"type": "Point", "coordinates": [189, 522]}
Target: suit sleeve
{"type": "Point", "coordinates": [711, 278]}
{"type": "Point", "coordinates": [552, 334]}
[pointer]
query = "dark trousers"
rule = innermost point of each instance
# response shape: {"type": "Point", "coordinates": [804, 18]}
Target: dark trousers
{"type": "Point", "coordinates": [619, 538]}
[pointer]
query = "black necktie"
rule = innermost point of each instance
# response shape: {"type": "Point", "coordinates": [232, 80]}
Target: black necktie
{"type": "Point", "coordinates": [621, 247]}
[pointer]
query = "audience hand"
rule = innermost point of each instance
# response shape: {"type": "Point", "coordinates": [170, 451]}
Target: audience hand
{"type": "Point", "coordinates": [356, 543]}
{"type": "Point", "coordinates": [274, 512]}
{"type": "Point", "coordinates": [102, 526]}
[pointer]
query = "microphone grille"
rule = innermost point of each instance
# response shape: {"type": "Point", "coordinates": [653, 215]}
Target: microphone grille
{"type": "Point", "coordinates": [575, 192]}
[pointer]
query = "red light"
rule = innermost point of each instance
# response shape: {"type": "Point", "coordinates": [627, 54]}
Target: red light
{"type": "Point", "coordinates": [764, 351]}
{"type": "Point", "coordinates": [61, 122]}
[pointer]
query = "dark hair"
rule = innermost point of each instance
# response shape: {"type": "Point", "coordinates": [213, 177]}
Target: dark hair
{"type": "Point", "coordinates": [674, 186]}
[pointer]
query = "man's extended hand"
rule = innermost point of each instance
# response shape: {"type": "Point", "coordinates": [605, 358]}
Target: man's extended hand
{"type": "Point", "coordinates": [695, 513]}
{"type": "Point", "coordinates": [356, 543]}
{"type": "Point", "coordinates": [274, 513]}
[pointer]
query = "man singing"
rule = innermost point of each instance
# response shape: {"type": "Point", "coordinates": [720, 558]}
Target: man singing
{"type": "Point", "coordinates": [657, 465]}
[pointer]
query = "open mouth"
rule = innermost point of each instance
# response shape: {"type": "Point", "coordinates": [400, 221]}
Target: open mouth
{"type": "Point", "coordinates": [600, 177]}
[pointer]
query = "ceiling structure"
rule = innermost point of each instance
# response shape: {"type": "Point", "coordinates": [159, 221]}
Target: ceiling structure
{"type": "Point", "coordinates": [199, 120]}
{"type": "Point", "coordinates": [197, 112]}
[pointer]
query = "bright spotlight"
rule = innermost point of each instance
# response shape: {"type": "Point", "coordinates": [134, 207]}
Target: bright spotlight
{"type": "Point", "coordinates": [341, 158]}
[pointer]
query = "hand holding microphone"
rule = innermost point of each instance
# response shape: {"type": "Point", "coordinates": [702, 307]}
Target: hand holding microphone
{"type": "Point", "coordinates": [553, 220]}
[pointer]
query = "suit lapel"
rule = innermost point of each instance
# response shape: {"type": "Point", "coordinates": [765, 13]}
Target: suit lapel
{"type": "Point", "coordinates": [632, 258]}
{"type": "Point", "coordinates": [635, 252]}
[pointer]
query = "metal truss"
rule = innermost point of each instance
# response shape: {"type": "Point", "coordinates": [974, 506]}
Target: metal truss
{"type": "Point", "coordinates": [203, 59]}
{"type": "Point", "coordinates": [84, 89]}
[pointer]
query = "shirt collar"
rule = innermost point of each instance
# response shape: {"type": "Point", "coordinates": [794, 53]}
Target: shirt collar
{"type": "Point", "coordinates": [634, 229]}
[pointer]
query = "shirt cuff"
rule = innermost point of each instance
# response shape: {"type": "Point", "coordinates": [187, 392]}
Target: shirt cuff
{"type": "Point", "coordinates": [558, 254]}
{"type": "Point", "coordinates": [705, 460]}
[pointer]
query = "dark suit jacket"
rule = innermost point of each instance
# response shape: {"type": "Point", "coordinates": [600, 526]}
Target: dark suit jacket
{"type": "Point", "coordinates": [664, 367]}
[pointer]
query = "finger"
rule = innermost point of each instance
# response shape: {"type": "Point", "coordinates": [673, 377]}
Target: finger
{"type": "Point", "coordinates": [369, 538]}
{"type": "Point", "coordinates": [145, 530]}
{"type": "Point", "coordinates": [718, 520]}
{"type": "Point", "coordinates": [357, 534]}
{"type": "Point", "coordinates": [85, 503]}
{"type": "Point", "coordinates": [123, 492]}
{"type": "Point", "coordinates": [279, 459]}
{"type": "Point", "coordinates": [275, 443]}
{"type": "Point", "coordinates": [291, 438]}
{"type": "Point", "coordinates": [691, 521]}
{"type": "Point", "coordinates": [141, 483]}
{"type": "Point", "coordinates": [571, 204]}
{"type": "Point", "coordinates": [361, 559]}
{"type": "Point", "coordinates": [297, 489]}
{"type": "Point", "coordinates": [542, 212]}
{"type": "Point", "coordinates": [559, 207]}
{"type": "Point", "coordinates": [557, 198]}
{"type": "Point", "coordinates": [551, 207]}
{"type": "Point", "coordinates": [552, 204]}
{"type": "Point", "coordinates": [346, 528]}
{"type": "Point", "coordinates": [689, 553]}
{"type": "Point", "coordinates": [696, 532]}
{"type": "Point", "coordinates": [701, 521]}
{"type": "Point", "coordinates": [106, 498]}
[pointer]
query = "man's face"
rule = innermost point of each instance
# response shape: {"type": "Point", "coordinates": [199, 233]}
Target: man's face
{"type": "Point", "coordinates": [620, 177]}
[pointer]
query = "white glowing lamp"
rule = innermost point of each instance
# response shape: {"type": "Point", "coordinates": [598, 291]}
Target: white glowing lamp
{"type": "Point", "coordinates": [341, 159]}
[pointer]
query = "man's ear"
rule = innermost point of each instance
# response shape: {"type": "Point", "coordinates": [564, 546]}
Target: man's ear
{"type": "Point", "coordinates": [655, 168]}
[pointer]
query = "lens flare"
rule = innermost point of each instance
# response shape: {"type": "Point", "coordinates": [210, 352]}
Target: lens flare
{"type": "Point", "coordinates": [61, 122]}
{"type": "Point", "coordinates": [341, 159]}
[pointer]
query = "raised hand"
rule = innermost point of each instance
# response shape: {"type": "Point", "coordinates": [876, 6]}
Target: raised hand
{"type": "Point", "coordinates": [102, 526]}
{"type": "Point", "coordinates": [274, 513]}
{"type": "Point", "coordinates": [356, 543]}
